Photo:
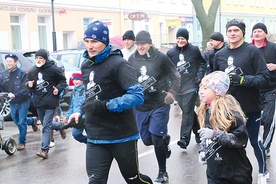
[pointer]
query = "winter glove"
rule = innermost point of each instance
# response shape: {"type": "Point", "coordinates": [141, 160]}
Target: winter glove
{"type": "Point", "coordinates": [201, 158]}
{"type": "Point", "coordinates": [73, 124]}
{"type": "Point", "coordinates": [169, 98]}
{"type": "Point", "coordinates": [206, 133]}
{"type": "Point", "coordinates": [95, 107]}
{"type": "Point", "coordinates": [236, 80]}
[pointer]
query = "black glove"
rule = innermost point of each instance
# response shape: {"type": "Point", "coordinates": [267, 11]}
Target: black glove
{"type": "Point", "coordinates": [95, 107]}
{"type": "Point", "coordinates": [236, 80]}
{"type": "Point", "coordinates": [73, 124]}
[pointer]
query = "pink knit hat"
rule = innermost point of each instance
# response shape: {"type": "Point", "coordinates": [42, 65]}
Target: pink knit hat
{"type": "Point", "coordinates": [218, 81]}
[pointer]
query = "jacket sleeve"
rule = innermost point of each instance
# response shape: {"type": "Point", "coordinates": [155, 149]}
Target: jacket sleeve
{"type": "Point", "coordinates": [236, 138]}
{"type": "Point", "coordinates": [202, 66]}
{"type": "Point", "coordinates": [61, 81]}
{"type": "Point", "coordinates": [23, 91]}
{"type": "Point", "coordinates": [134, 96]}
{"type": "Point", "coordinates": [174, 75]}
{"type": "Point", "coordinates": [260, 79]}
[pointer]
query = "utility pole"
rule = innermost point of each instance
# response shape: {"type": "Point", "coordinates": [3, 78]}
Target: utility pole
{"type": "Point", "coordinates": [54, 32]}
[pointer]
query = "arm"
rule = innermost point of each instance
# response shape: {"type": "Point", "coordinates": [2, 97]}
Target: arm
{"type": "Point", "coordinates": [134, 96]}
{"type": "Point", "coordinates": [202, 67]}
{"type": "Point", "coordinates": [235, 138]}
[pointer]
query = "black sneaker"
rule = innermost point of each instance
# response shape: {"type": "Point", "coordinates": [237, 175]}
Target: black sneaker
{"type": "Point", "coordinates": [167, 140]}
{"type": "Point", "coordinates": [197, 138]}
{"type": "Point", "coordinates": [182, 143]}
{"type": "Point", "coordinates": [162, 177]}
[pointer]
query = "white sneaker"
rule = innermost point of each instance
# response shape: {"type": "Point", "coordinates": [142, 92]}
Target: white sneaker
{"type": "Point", "coordinates": [263, 178]}
{"type": "Point", "coordinates": [52, 144]}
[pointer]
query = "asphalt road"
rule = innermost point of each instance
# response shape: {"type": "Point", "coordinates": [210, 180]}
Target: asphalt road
{"type": "Point", "coordinates": [66, 162]}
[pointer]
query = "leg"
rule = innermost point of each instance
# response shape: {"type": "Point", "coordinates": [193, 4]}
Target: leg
{"type": "Point", "coordinates": [126, 154]}
{"type": "Point", "coordinates": [158, 128]}
{"type": "Point", "coordinates": [187, 105]}
{"type": "Point", "coordinates": [47, 116]}
{"type": "Point", "coordinates": [98, 162]}
{"type": "Point", "coordinates": [78, 134]}
{"type": "Point", "coordinates": [253, 127]}
{"type": "Point", "coordinates": [268, 119]}
{"type": "Point", "coordinates": [196, 127]}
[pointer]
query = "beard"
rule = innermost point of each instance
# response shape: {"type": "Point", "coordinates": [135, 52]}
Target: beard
{"type": "Point", "coordinates": [40, 64]}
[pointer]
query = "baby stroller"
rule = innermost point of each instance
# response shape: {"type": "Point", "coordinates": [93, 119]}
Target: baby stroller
{"type": "Point", "coordinates": [8, 145]}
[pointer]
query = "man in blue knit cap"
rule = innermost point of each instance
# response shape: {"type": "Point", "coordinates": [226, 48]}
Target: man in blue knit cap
{"type": "Point", "coordinates": [110, 123]}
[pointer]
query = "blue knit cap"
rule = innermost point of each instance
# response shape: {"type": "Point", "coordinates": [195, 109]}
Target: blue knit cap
{"type": "Point", "coordinates": [97, 31]}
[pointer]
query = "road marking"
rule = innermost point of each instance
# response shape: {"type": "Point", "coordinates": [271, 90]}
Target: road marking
{"type": "Point", "coordinates": [152, 150]}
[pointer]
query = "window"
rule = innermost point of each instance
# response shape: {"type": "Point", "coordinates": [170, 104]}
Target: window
{"type": "Point", "coordinates": [86, 22]}
{"type": "Point", "coordinates": [42, 32]}
{"type": "Point", "coordinates": [15, 32]}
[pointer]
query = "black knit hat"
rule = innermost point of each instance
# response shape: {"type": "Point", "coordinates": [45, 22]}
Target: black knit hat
{"type": "Point", "coordinates": [129, 35]}
{"type": "Point", "coordinates": [260, 26]}
{"type": "Point", "coordinates": [42, 53]}
{"type": "Point", "coordinates": [143, 37]}
{"type": "Point", "coordinates": [217, 36]}
{"type": "Point", "coordinates": [182, 32]}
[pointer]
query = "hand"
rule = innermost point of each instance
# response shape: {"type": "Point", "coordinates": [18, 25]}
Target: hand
{"type": "Point", "coordinates": [55, 92]}
{"type": "Point", "coordinates": [30, 84]}
{"type": "Point", "coordinates": [169, 98]}
{"type": "Point", "coordinates": [11, 95]}
{"type": "Point", "coordinates": [75, 116]}
{"type": "Point", "coordinates": [206, 133]}
{"type": "Point", "coordinates": [235, 79]}
{"type": "Point", "coordinates": [201, 158]}
{"type": "Point", "coordinates": [95, 107]}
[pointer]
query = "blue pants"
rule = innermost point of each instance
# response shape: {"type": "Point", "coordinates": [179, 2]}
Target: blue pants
{"type": "Point", "coordinates": [46, 117]}
{"type": "Point", "coordinates": [78, 134]}
{"type": "Point", "coordinates": [19, 113]}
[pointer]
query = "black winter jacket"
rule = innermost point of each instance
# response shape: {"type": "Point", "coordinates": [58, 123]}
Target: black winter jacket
{"type": "Point", "coordinates": [43, 87]}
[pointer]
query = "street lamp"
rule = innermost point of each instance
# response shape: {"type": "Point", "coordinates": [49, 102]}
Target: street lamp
{"type": "Point", "coordinates": [54, 32]}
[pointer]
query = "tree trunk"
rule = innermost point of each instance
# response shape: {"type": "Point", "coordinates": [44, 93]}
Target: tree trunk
{"type": "Point", "coordinates": [207, 21]}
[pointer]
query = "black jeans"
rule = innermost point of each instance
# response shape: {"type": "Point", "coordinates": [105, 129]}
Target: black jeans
{"type": "Point", "coordinates": [100, 156]}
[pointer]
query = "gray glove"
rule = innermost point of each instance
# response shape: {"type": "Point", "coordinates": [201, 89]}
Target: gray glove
{"type": "Point", "coordinates": [201, 158]}
{"type": "Point", "coordinates": [206, 133]}
{"type": "Point", "coordinates": [169, 98]}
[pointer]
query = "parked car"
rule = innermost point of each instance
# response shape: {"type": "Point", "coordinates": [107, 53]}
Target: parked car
{"type": "Point", "coordinates": [71, 56]}
{"type": "Point", "coordinates": [23, 63]}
